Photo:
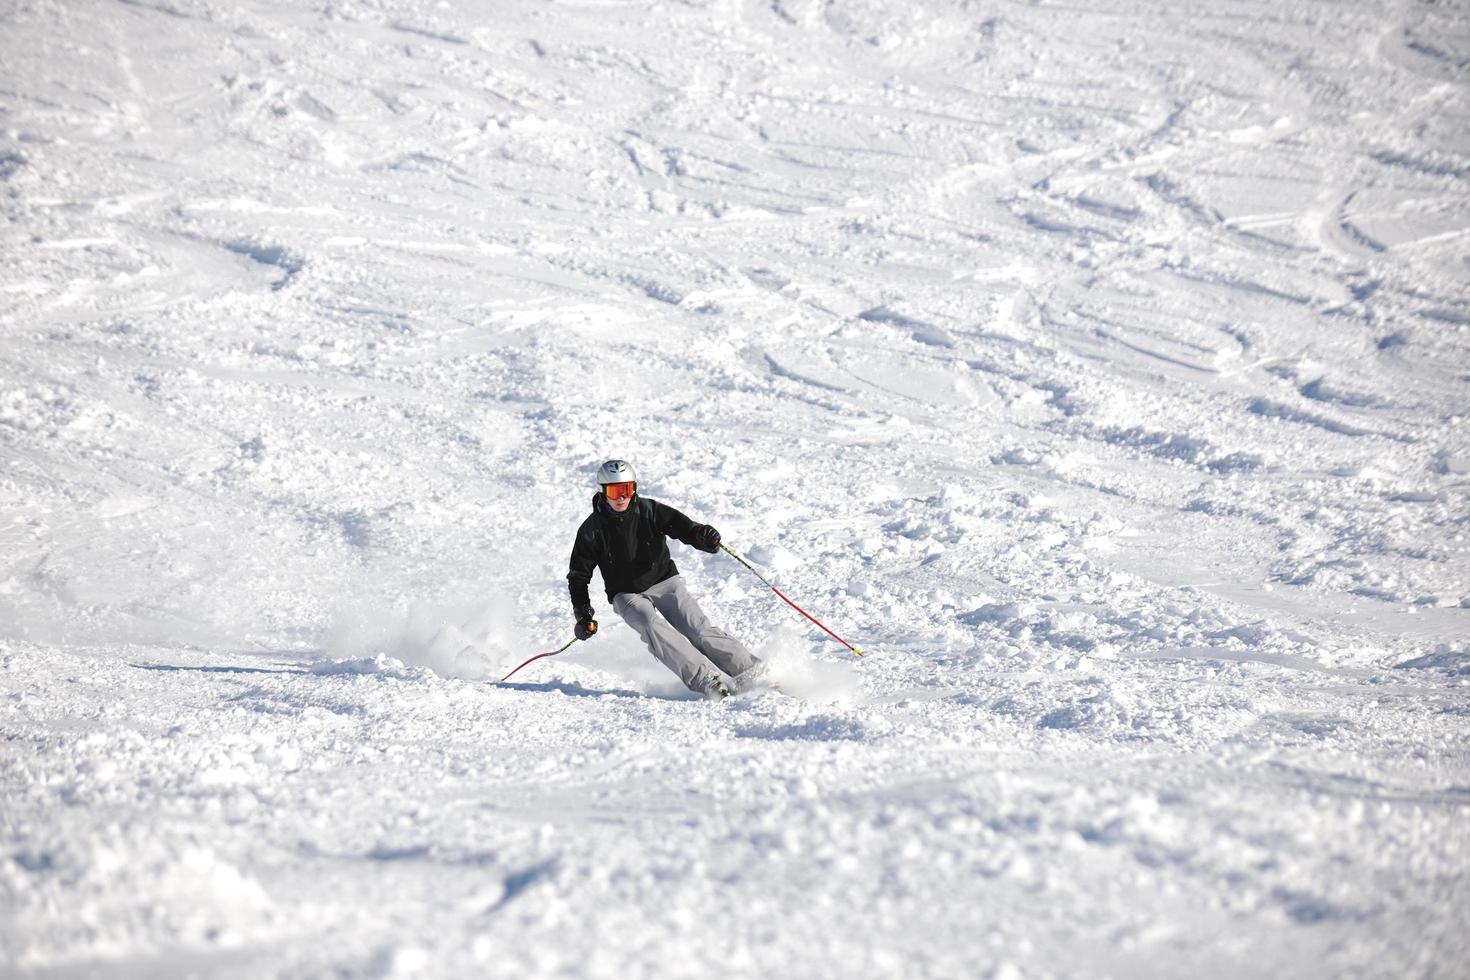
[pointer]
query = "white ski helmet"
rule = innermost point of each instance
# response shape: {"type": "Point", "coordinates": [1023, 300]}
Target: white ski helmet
{"type": "Point", "coordinates": [616, 471]}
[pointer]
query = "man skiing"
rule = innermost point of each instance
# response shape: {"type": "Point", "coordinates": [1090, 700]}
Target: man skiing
{"type": "Point", "coordinates": [624, 539]}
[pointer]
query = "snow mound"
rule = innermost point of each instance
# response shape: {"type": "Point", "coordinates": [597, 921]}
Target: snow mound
{"type": "Point", "coordinates": [379, 664]}
{"type": "Point", "coordinates": [773, 557]}
{"type": "Point", "coordinates": [796, 672]}
{"type": "Point", "coordinates": [464, 641]}
{"type": "Point", "coordinates": [196, 899]}
{"type": "Point", "coordinates": [1455, 663]}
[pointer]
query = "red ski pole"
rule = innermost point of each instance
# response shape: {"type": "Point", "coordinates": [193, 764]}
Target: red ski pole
{"type": "Point", "coordinates": [788, 602]}
{"type": "Point", "coordinates": [550, 653]}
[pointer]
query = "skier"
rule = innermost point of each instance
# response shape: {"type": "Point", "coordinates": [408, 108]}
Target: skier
{"type": "Point", "coordinates": [623, 538]}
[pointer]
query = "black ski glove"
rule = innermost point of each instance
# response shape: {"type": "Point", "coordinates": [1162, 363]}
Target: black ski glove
{"type": "Point", "coordinates": [707, 538]}
{"type": "Point", "coordinates": [586, 627]}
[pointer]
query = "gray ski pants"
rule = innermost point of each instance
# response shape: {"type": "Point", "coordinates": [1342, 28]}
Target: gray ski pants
{"type": "Point", "coordinates": [680, 635]}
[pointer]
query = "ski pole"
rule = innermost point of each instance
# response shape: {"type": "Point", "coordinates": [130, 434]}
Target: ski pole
{"type": "Point", "coordinates": [788, 602]}
{"type": "Point", "coordinates": [550, 653]}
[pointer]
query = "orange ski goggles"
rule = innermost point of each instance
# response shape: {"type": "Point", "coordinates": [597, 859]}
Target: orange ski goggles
{"type": "Point", "coordinates": [618, 491]}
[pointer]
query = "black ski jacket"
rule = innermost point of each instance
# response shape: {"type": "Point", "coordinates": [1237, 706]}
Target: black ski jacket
{"type": "Point", "coordinates": [628, 548]}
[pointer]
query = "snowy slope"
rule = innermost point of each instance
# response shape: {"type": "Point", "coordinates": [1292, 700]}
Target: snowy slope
{"type": "Point", "coordinates": [1102, 370]}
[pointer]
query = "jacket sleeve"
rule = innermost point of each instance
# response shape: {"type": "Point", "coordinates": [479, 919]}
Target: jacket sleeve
{"type": "Point", "coordinates": [579, 571]}
{"type": "Point", "coordinates": [673, 524]}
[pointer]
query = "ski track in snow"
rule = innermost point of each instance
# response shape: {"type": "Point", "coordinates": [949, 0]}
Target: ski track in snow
{"type": "Point", "coordinates": [1100, 370]}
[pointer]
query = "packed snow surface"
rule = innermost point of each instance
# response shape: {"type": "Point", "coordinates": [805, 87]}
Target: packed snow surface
{"type": "Point", "coordinates": [1102, 370]}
